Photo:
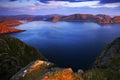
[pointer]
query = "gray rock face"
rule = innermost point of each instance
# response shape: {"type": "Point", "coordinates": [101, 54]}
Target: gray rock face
{"type": "Point", "coordinates": [109, 54]}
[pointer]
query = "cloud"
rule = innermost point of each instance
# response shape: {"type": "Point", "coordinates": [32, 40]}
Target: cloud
{"type": "Point", "coordinates": [45, 1]}
{"type": "Point", "coordinates": [73, 4]}
{"type": "Point", "coordinates": [55, 4]}
{"type": "Point", "coordinates": [35, 6]}
{"type": "Point", "coordinates": [20, 3]}
{"type": "Point", "coordinates": [109, 1]}
{"type": "Point", "coordinates": [12, 0]}
{"type": "Point", "coordinates": [90, 4]}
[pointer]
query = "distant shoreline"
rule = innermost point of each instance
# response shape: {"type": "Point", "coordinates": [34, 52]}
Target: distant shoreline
{"type": "Point", "coordinates": [99, 18]}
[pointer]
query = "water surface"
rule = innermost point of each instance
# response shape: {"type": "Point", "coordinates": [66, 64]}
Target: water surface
{"type": "Point", "coordinates": [69, 44]}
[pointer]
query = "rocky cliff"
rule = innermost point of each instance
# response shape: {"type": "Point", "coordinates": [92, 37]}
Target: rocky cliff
{"type": "Point", "coordinates": [109, 56]}
{"type": "Point", "coordinates": [6, 26]}
{"type": "Point", "coordinates": [107, 64]}
{"type": "Point", "coordinates": [15, 55]}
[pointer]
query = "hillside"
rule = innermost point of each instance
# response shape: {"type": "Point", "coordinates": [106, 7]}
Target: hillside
{"type": "Point", "coordinates": [107, 64]}
{"type": "Point", "coordinates": [15, 55]}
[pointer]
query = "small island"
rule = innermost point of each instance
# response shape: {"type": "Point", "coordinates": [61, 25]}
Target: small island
{"type": "Point", "coordinates": [6, 26]}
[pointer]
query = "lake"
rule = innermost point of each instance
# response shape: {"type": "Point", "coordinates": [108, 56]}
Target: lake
{"type": "Point", "coordinates": [68, 44]}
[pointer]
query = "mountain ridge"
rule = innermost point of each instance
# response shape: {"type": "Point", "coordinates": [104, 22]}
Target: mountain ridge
{"type": "Point", "coordinates": [98, 18]}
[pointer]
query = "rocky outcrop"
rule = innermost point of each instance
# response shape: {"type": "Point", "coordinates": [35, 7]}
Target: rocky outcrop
{"type": "Point", "coordinates": [6, 26]}
{"type": "Point", "coordinates": [110, 57]}
{"type": "Point", "coordinates": [34, 71]}
{"type": "Point", "coordinates": [64, 74]}
{"type": "Point", "coordinates": [107, 64]}
{"type": "Point", "coordinates": [15, 55]}
{"type": "Point", "coordinates": [42, 70]}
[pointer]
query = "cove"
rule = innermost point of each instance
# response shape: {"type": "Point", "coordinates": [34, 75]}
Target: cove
{"type": "Point", "coordinates": [68, 44]}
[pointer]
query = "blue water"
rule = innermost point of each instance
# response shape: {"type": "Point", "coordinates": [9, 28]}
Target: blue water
{"type": "Point", "coordinates": [69, 44]}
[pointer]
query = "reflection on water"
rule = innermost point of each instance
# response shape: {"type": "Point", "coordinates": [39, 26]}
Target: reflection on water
{"type": "Point", "coordinates": [69, 44]}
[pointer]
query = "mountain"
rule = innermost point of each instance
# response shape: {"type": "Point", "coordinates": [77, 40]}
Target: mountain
{"type": "Point", "coordinates": [14, 55]}
{"type": "Point", "coordinates": [99, 18]}
{"type": "Point", "coordinates": [23, 17]}
{"type": "Point", "coordinates": [104, 19]}
{"type": "Point", "coordinates": [6, 26]}
{"type": "Point", "coordinates": [116, 19]}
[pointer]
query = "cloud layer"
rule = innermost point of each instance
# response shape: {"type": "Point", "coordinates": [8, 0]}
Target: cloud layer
{"type": "Point", "coordinates": [54, 4]}
{"type": "Point", "coordinates": [109, 1]}
{"type": "Point", "coordinates": [102, 1]}
{"type": "Point", "coordinates": [56, 7]}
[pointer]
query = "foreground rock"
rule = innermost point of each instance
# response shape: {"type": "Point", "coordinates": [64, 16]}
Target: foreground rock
{"type": "Point", "coordinates": [33, 71]}
{"type": "Point", "coordinates": [15, 55]}
{"type": "Point", "coordinates": [64, 74]}
{"type": "Point", "coordinates": [6, 26]}
{"type": "Point", "coordinates": [42, 70]}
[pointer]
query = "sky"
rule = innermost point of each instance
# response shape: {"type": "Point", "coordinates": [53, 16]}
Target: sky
{"type": "Point", "coordinates": [66, 7]}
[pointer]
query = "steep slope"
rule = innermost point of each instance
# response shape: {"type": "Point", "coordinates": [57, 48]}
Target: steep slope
{"type": "Point", "coordinates": [15, 55]}
{"type": "Point", "coordinates": [107, 65]}
{"type": "Point", "coordinates": [110, 56]}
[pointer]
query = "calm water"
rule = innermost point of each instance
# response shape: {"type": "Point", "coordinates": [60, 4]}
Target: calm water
{"type": "Point", "coordinates": [69, 44]}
